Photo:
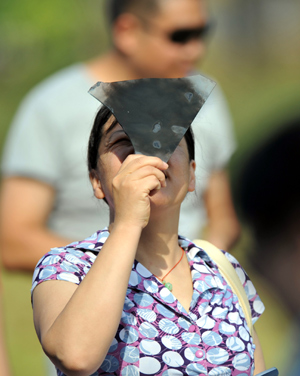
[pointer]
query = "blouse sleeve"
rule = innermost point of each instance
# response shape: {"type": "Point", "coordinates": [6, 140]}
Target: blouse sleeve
{"type": "Point", "coordinates": [69, 265]}
{"type": "Point", "coordinates": [256, 305]}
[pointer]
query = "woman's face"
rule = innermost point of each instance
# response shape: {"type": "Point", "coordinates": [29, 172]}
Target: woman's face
{"type": "Point", "coordinates": [115, 147]}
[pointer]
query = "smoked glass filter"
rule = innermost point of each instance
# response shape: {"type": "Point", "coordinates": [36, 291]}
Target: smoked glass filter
{"type": "Point", "coordinates": [155, 113]}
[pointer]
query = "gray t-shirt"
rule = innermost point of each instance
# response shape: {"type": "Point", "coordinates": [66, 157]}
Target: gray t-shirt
{"type": "Point", "coordinates": [48, 142]}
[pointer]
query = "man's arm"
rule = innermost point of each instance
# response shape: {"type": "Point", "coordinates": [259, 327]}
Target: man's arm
{"type": "Point", "coordinates": [223, 228]}
{"type": "Point", "coordinates": [25, 205]}
{"type": "Point", "coordinates": [259, 361]}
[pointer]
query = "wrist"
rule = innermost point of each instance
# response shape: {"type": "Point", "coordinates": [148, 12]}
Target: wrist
{"type": "Point", "coordinates": [126, 229]}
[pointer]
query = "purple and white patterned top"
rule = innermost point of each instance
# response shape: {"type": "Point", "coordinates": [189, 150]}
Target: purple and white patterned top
{"type": "Point", "coordinates": [156, 336]}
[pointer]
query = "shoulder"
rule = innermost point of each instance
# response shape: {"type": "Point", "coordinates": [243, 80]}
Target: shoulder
{"type": "Point", "coordinates": [70, 263]}
{"type": "Point", "coordinates": [256, 305]}
{"type": "Point", "coordinates": [194, 251]}
{"type": "Point", "coordinates": [67, 83]}
{"type": "Point", "coordinates": [69, 75]}
{"type": "Point", "coordinates": [200, 250]}
{"type": "Point", "coordinates": [67, 264]}
{"type": "Point", "coordinates": [214, 133]}
{"type": "Point", "coordinates": [53, 107]}
{"type": "Point", "coordinates": [215, 115]}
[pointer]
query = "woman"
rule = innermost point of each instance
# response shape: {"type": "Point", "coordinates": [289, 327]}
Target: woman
{"type": "Point", "coordinates": [150, 302]}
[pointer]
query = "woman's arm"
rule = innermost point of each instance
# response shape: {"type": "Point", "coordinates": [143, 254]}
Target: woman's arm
{"type": "Point", "coordinates": [259, 361]}
{"type": "Point", "coordinates": [76, 324]}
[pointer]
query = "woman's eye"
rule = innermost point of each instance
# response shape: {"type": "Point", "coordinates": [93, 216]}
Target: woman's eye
{"type": "Point", "coordinates": [123, 141]}
{"type": "Point", "coordinates": [122, 148]}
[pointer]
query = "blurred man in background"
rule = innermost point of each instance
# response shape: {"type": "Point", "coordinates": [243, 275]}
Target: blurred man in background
{"type": "Point", "coordinates": [39, 205]}
{"type": "Point", "coordinates": [44, 161]}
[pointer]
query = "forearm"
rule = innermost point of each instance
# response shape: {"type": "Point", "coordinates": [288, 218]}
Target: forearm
{"type": "Point", "coordinates": [259, 361]}
{"type": "Point", "coordinates": [22, 248]}
{"type": "Point", "coordinates": [80, 337]}
{"type": "Point", "coordinates": [223, 232]}
{"type": "Point", "coordinates": [223, 227]}
{"type": "Point", "coordinates": [25, 206]}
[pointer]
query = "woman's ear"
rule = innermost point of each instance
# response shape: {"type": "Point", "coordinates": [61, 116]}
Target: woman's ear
{"type": "Point", "coordinates": [192, 182]}
{"type": "Point", "coordinates": [96, 184]}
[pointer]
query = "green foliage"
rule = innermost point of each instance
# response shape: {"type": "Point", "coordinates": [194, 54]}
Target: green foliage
{"type": "Point", "coordinates": [38, 38]}
{"type": "Point", "coordinates": [25, 353]}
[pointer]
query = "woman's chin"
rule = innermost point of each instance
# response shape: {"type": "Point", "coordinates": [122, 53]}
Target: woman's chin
{"type": "Point", "coordinates": [161, 200]}
{"type": "Point", "coordinates": [154, 192]}
{"type": "Point", "coordinates": [158, 198]}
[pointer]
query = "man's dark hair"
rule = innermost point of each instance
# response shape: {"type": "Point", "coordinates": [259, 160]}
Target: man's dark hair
{"type": "Point", "coordinates": [140, 8]}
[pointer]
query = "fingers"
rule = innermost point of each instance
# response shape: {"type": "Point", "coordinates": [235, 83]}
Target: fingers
{"type": "Point", "coordinates": [150, 183]}
{"type": "Point", "coordinates": [136, 161]}
{"type": "Point", "coordinates": [139, 167]}
{"type": "Point", "coordinates": [138, 178]}
{"type": "Point", "coordinates": [147, 172]}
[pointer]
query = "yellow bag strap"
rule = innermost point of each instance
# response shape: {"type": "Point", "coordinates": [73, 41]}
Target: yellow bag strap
{"type": "Point", "coordinates": [228, 272]}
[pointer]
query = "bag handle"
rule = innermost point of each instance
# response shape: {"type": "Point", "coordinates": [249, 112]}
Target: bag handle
{"type": "Point", "coordinates": [228, 272]}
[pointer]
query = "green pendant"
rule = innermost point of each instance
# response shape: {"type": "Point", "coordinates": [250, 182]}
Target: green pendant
{"type": "Point", "coordinates": [168, 285]}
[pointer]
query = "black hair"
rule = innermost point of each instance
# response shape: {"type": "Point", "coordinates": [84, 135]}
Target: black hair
{"type": "Point", "coordinates": [102, 117]}
{"type": "Point", "coordinates": [141, 8]}
{"type": "Point", "coordinates": [268, 187]}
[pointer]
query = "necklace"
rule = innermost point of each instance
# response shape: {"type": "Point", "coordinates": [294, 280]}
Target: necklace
{"type": "Point", "coordinates": [168, 284]}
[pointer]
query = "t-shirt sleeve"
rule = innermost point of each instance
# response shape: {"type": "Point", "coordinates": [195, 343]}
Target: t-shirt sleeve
{"type": "Point", "coordinates": [214, 133]}
{"type": "Point", "coordinates": [256, 305]}
{"type": "Point", "coordinates": [32, 147]}
{"type": "Point", "coordinates": [65, 265]}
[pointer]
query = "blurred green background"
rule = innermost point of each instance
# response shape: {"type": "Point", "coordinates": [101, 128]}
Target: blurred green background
{"type": "Point", "coordinates": [254, 54]}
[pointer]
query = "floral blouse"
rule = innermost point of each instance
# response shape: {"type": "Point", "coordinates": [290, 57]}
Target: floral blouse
{"type": "Point", "coordinates": [156, 335]}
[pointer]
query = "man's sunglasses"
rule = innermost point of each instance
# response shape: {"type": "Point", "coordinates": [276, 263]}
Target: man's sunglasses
{"type": "Point", "coordinates": [182, 36]}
